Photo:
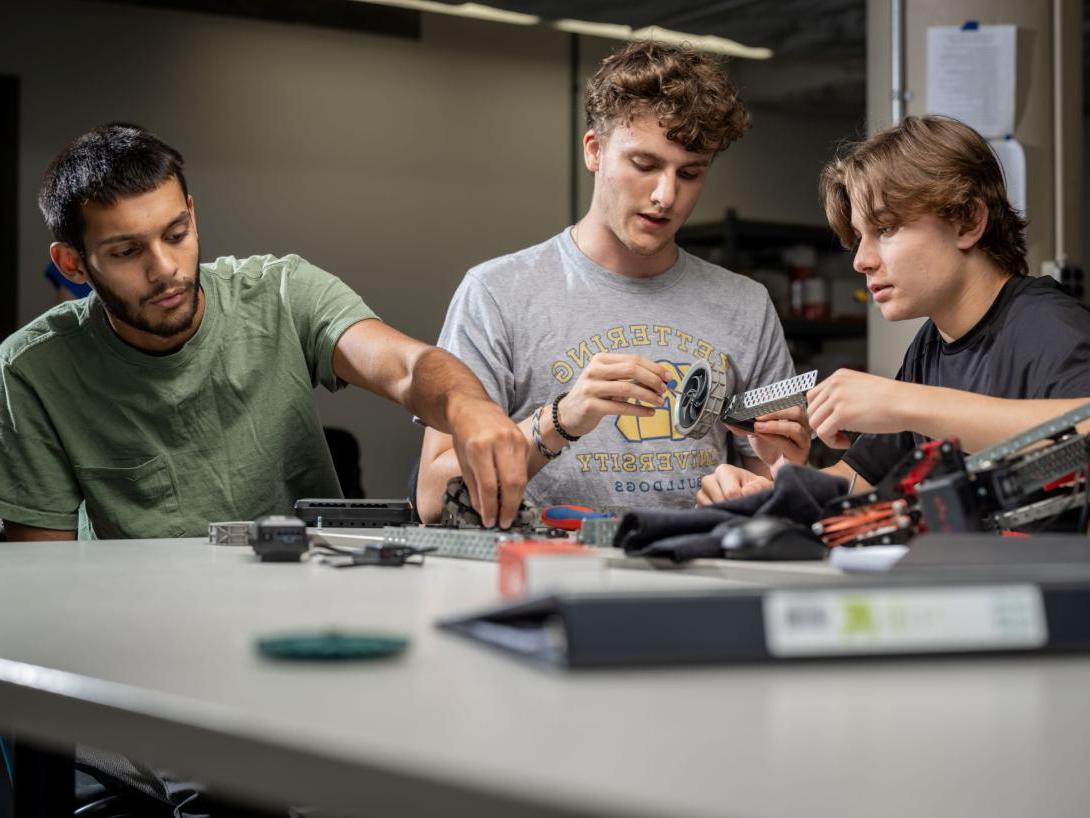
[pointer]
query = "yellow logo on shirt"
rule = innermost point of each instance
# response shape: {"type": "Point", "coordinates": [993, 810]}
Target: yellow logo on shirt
{"type": "Point", "coordinates": [633, 338]}
{"type": "Point", "coordinates": [660, 426]}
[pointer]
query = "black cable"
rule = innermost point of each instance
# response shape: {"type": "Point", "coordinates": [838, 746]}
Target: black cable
{"type": "Point", "coordinates": [383, 555]}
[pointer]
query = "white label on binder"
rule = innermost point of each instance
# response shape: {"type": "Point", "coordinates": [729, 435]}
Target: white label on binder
{"type": "Point", "coordinates": [844, 622]}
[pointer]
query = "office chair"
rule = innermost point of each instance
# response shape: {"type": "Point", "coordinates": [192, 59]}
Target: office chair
{"type": "Point", "coordinates": [345, 451]}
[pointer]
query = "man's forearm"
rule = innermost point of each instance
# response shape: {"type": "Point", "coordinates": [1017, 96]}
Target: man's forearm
{"type": "Point", "coordinates": [978, 421]}
{"type": "Point", "coordinates": [439, 383]}
{"type": "Point", "coordinates": [432, 481]}
{"type": "Point", "coordinates": [427, 381]}
{"type": "Point", "coordinates": [856, 483]}
{"type": "Point", "coordinates": [436, 470]}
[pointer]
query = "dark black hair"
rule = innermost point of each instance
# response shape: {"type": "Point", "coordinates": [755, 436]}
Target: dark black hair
{"type": "Point", "coordinates": [118, 159]}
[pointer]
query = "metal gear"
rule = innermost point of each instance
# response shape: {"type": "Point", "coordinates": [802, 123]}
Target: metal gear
{"type": "Point", "coordinates": [700, 400]}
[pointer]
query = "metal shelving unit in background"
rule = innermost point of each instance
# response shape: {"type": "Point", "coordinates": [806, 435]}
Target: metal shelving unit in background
{"type": "Point", "coordinates": [738, 243]}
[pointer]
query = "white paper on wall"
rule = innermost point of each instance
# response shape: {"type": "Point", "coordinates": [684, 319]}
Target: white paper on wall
{"type": "Point", "coordinates": [971, 76]}
{"type": "Point", "coordinates": [1012, 158]}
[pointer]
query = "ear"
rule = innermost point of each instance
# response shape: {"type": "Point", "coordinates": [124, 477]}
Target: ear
{"type": "Point", "coordinates": [592, 150]}
{"type": "Point", "coordinates": [68, 261]}
{"type": "Point", "coordinates": [969, 233]}
{"type": "Point", "coordinates": [192, 212]}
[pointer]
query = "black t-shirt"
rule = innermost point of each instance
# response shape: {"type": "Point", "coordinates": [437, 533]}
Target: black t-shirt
{"type": "Point", "coordinates": [1034, 342]}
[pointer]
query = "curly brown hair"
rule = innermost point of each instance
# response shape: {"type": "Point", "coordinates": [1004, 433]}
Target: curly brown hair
{"type": "Point", "coordinates": [688, 93]}
{"type": "Point", "coordinates": [930, 164]}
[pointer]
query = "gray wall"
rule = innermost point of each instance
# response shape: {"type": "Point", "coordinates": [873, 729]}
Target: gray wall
{"type": "Point", "coordinates": [395, 164]}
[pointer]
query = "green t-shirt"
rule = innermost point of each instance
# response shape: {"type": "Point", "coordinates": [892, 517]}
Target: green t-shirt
{"type": "Point", "coordinates": [95, 431]}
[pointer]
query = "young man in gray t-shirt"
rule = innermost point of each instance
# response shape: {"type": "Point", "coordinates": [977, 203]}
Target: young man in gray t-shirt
{"type": "Point", "coordinates": [581, 338]}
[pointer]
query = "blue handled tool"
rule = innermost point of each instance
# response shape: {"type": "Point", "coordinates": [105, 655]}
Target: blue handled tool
{"type": "Point", "coordinates": [570, 518]}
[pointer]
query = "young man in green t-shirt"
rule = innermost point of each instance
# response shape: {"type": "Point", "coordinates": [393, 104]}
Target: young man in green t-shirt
{"type": "Point", "coordinates": [179, 392]}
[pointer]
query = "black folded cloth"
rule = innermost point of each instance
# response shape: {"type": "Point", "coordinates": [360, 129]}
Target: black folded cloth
{"type": "Point", "coordinates": [799, 494]}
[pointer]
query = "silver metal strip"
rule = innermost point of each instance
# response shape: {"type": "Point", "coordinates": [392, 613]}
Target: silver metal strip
{"type": "Point", "coordinates": [986, 458]}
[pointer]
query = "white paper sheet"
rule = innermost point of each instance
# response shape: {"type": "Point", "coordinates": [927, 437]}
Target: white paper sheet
{"type": "Point", "coordinates": [971, 76]}
{"type": "Point", "coordinates": [1012, 158]}
{"type": "Point", "coordinates": [870, 559]}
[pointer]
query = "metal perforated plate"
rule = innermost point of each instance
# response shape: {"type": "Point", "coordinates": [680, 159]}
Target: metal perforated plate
{"type": "Point", "coordinates": [771, 398]}
{"type": "Point", "coordinates": [469, 544]}
{"type": "Point", "coordinates": [1038, 468]}
{"type": "Point", "coordinates": [599, 532]}
{"type": "Point", "coordinates": [1040, 510]}
{"type": "Point", "coordinates": [234, 532]}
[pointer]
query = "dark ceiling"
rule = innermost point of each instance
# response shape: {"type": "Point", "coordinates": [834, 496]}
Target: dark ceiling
{"type": "Point", "coordinates": [819, 46]}
{"type": "Point", "coordinates": [807, 29]}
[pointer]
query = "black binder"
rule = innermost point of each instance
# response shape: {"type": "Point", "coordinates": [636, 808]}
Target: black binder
{"type": "Point", "coordinates": [1065, 556]}
{"type": "Point", "coordinates": [982, 615]}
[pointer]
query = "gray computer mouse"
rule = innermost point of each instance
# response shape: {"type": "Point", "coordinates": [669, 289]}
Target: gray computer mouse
{"type": "Point", "coordinates": [771, 538]}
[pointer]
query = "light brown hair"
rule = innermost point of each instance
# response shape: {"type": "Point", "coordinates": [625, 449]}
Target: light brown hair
{"type": "Point", "coordinates": [929, 164]}
{"type": "Point", "coordinates": [688, 93]}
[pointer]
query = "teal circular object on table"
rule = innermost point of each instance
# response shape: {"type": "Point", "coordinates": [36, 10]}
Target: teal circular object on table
{"type": "Point", "coordinates": [332, 646]}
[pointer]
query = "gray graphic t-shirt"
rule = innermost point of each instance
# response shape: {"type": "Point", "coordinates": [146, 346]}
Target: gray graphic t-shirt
{"type": "Point", "coordinates": [528, 323]}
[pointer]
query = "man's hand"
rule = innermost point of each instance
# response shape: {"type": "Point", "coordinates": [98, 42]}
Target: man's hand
{"type": "Point", "coordinates": [850, 401]}
{"type": "Point", "coordinates": [607, 385]}
{"type": "Point", "coordinates": [492, 453]}
{"type": "Point", "coordinates": [728, 482]}
{"type": "Point", "coordinates": [784, 434]}
{"type": "Point", "coordinates": [437, 387]}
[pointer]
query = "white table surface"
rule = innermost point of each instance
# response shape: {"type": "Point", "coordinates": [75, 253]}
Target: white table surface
{"type": "Point", "coordinates": [146, 647]}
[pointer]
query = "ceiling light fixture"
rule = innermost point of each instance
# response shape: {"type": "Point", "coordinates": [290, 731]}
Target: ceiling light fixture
{"type": "Point", "coordinates": [612, 31]}
{"type": "Point", "coordinates": [701, 42]}
{"type": "Point", "coordinates": [474, 10]}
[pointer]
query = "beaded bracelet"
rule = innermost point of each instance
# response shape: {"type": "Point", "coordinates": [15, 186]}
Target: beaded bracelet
{"type": "Point", "coordinates": [535, 433]}
{"type": "Point", "coordinates": [560, 430]}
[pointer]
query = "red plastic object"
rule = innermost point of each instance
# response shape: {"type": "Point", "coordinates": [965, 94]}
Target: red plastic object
{"type": "Point", "coordinates": [512, 560]}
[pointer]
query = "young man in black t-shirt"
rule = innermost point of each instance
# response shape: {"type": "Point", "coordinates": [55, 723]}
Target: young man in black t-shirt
{"type": "Point", "coordinates": [924, 206]}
